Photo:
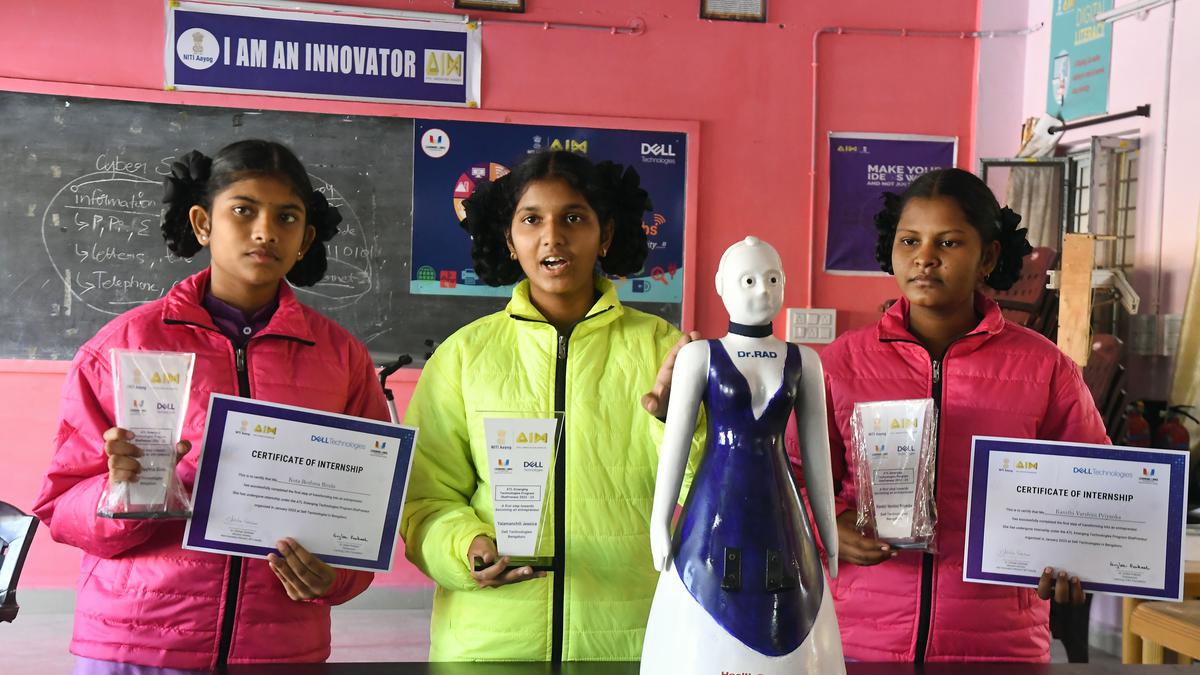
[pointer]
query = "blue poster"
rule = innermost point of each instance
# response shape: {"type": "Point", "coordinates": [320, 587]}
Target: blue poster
{"type": "Point", "coordinates": [451, 158]}
{"type": "Point", "coordinates": [862, 167]}
{"type": "Point", "coordinates": [1080, 59]}
{"type": "Point", "coordinates": [247, 50]}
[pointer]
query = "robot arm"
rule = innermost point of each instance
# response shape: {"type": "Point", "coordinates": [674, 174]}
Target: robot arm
{"type": "Point", "coordinates": [814, 451]}
{"type": "Point", "coordinates": [687, 390]}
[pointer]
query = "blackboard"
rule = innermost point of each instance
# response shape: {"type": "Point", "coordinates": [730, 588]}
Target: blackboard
{"type": "Point", "coordinates": [79, 218]}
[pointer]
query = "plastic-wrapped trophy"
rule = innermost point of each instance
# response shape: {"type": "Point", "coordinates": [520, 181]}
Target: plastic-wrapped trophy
{"type": "Point", "coordinates": [150, 395]}
{"type": "Point", "coordinates": [742, 588]}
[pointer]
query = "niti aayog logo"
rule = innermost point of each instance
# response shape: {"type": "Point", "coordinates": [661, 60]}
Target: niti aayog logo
{"type": "Point", "coordinates": [443, 67]}
{"type": "Point", "coordinates": [197, 49]}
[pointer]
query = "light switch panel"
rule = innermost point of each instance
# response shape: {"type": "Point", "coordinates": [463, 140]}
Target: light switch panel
{"type": "Point", "coordinates": [811, 326]}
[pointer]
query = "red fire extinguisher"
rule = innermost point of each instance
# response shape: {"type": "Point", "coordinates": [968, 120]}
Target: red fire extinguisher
{"type": "Point", "coordinates": [1171, 434]}
{"type": "Point", "coordinates": [1137, 429]}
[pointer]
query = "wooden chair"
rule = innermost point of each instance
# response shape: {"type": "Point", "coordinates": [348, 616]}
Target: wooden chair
{"type": "Point", "coordinates": [16, 534]}
{"type": "Point", "coordinates": [1167, 625]}
{"type": "Point", "coordinates": [1104, 376]}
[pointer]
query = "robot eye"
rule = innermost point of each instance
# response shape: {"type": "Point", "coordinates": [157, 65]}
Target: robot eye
{"type": "Point", "coordinates": [748, 281]}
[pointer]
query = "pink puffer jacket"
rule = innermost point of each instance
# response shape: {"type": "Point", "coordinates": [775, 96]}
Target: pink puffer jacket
{"type": "Point", "coordinates": [999, 380]}
{"type": "Point", "coordinates": [141, 598]}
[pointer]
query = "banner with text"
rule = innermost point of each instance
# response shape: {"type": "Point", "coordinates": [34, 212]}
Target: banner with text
{"type": "Point", "coordinates": [433, 59]}
{"type": "Point", "coordinates": [862, 166]}
{"type": "Point", "coordinates": [1080, 59]}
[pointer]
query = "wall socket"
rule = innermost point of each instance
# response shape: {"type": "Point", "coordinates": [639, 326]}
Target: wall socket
{"type": "Point", "coordinates": [811, 326]}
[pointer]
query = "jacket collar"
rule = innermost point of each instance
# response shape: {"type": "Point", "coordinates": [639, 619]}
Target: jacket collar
{"type": "Point", "coordinates": [894, 323]}
{"type": "Point", "coordinates": [184, 305]}
{"type": "Point", "coordinates": [605, 310]}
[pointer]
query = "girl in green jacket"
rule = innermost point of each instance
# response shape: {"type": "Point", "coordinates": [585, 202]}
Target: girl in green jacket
{"type": "Point", "coordinates": [564, 343]}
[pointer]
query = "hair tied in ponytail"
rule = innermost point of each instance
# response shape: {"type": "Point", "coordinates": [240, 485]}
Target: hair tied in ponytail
{"type": "Point", "coordinates": [323, 216]}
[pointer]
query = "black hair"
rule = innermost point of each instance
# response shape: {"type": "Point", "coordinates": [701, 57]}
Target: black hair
{"type": "Point", "coordinates": [981, 210]}
{"type": "Point", "coordinates": [614, 193]}
{"type": "Point", "coordinates": [196, 180]}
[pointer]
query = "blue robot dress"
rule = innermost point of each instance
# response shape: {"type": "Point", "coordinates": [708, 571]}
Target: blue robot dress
{"type": "Point", "coordinates": [743, 548]}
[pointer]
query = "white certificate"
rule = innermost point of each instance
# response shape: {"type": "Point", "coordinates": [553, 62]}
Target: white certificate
{"type": "Point", "coordinates": [332, 482]}
{"type": "Point", "coordinates": [1113, 516]}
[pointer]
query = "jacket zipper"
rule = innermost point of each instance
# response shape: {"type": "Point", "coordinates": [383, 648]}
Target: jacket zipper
{"type": "Point", "coordinates": [927, 560]}
{"type": "Point", "coordinates": [235, 563]}
{"type": "Point", "coordinates": [560, 484]}
{"type": "Point", "coordinates": [560, 487]}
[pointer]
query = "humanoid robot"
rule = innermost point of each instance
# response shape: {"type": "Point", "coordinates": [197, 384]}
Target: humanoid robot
{"type": "Point", "coordinates": [742, 589]}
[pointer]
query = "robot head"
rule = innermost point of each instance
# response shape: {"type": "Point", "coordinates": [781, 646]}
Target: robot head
{"type": "Point", "coordinates": [750, 281]}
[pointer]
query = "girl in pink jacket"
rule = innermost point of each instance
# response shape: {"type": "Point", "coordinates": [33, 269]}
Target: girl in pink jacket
{"type": "Point", "coordinates": [142, 599]}
{"type": "Point", "coordinates": [943, 239]}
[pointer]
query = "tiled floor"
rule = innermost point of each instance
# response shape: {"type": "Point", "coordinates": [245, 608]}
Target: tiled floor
{"type": "Point", "coordinates": [378, 626]}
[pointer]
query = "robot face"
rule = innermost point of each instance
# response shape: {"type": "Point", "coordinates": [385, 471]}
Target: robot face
{"type": "Point", "coordinates": [750, 282]}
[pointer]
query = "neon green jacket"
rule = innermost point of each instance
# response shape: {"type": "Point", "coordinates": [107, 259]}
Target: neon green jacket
{"type": "Point", "coordinates": [508, 361]}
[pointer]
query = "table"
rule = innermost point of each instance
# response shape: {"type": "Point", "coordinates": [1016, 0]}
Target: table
{"type": "Point", "coordinates": [1131, 647]}
{"type": "Point", "coordinates": [632, 669]}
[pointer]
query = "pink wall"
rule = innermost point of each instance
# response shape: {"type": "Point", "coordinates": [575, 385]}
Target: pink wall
{"type": "Point", "coordinates": [748, 85]}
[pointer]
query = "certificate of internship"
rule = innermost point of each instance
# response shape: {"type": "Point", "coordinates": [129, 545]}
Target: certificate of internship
{"type": "Point", "coordinates": [1113, 516]}
{"type": "Point", "coordinates": [334, 483]}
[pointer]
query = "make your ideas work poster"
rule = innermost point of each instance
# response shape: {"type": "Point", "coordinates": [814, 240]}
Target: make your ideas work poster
{"type": "Point", "coordinates": [451, 158]}
{"type": "Point", "coordinates": [862, 166]}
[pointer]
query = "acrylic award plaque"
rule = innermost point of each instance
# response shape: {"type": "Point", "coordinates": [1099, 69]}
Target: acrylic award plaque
{"type": "Point", "coordinates": [150, 397]}
{"type": "Point", "coordinates": [896, 456]}
{"type": "Point", "coordinates": [521, 453]}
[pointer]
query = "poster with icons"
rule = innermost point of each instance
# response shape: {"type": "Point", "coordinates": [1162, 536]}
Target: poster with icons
{"type": "Point", "coordinates": [451, 158]}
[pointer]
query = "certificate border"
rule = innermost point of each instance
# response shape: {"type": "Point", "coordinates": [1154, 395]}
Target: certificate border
{"type": "Point", "coordinates": [981, 447]}
{"type": "Point", "coordinates": [220, 405]}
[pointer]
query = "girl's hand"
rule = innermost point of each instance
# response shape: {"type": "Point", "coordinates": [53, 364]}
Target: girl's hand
{"type": "Point", "coordinates": [497, 574]}
{"type": "Point", "coordinates": [122, 455]}
{"type": "Point", "coordinates": [855, 548]}
{"type": "Point", "coordinates": [303, 575]}
{"type": "Point", "coordinates": [655, 402]}
{"type": "Point", "coordinates": [1061, 590]}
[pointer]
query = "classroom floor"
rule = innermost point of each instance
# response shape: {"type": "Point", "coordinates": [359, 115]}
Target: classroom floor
{"type": "Point", "coordinates": [380, 625]}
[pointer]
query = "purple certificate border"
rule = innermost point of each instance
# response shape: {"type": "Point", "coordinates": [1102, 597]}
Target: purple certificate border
{"type": "Point", "coordinates": [980, 455]}
{"type": "Point", "coordinates": [218, 412]}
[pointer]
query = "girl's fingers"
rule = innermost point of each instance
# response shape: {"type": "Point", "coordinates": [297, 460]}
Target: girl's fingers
{"type": "Point", "coordinates": [1077, 596]}
{"type": "Point", "coordinates": [1062, 589]}
{"type": "Point", "coordinates": [309, 573]}
{"type": "Point", "coordinates": [488, 575]}
{"type": "Point", "coordinates": [1045, 587]}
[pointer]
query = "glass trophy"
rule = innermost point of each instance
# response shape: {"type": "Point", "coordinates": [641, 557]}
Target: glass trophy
{"type": "Point", "coordinates": [895, 445]}
{"type": "Point", "coordinates": [522, 448]}
{"type": "Point", "coordinates": [150, 397]}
